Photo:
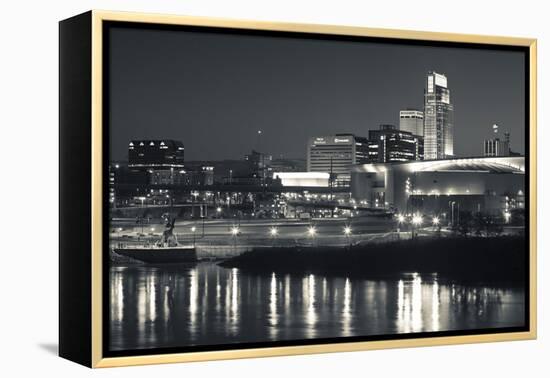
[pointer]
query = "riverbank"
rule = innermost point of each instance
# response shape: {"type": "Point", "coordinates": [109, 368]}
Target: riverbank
{"type": "Point", "coordinates": [491, 259]}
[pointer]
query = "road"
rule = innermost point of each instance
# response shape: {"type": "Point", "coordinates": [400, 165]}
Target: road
{"type": "Point", "coordinates": [260, 231]}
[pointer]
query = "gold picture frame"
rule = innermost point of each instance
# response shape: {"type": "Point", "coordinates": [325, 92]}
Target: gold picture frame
{"type": "Point", "coordinates": [94, 356]}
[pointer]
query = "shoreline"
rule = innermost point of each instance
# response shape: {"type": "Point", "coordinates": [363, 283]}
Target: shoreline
{"type": "Point", "coordinates": [481, 259]}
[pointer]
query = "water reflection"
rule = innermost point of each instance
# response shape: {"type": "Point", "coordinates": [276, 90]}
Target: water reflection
{"type": "Point", "coordinates": [155, 307]}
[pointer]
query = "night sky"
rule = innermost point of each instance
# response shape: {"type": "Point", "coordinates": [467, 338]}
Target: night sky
{"type": "Point", "coordinates": [215, 91]}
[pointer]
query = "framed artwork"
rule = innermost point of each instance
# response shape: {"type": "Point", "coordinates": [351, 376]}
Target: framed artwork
{"type": "Point", "coordinates": [235, 189]}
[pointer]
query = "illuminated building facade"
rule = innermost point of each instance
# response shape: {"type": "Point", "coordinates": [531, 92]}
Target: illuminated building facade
{"type": "Point", "coordinates": [438, 118]}
{"type": "Point", "coordinates": [412, 121]}
{"type": "Point", "coordinates": [497, 147]}
{"type": "Point", "coordinates": [155, 154]}
{"type": "Point", "coordinates": [303, 179]}
{"type": "Point", "coordinates": [336, 154]}
{"type": "Point", "coordinates": [388, 144]}
{"type": "Point", "coordinates": [487, 184]}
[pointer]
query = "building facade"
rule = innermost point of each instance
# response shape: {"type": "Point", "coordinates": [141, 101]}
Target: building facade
{"type": "Point", "coordinates": [155, 154]}
{"type": "Point", "coordinates": [412, 121]}
{"type": "Point", "coordinates": [497, 147]}
{"type": "Point", "coordinates": [389, 144]}
{"type": "Point", "coordinates": [288, 165]}
{"type": "Point", "coordinates": [303, 179]}
{"type": "Point", "coordinates": [438, 118]}
{"type": "Point", "coordinates": [490, 184]}
{"type": "Point", "coordinates": [335, 154]}
{"type": "Point", "coordinates": [261, 164]}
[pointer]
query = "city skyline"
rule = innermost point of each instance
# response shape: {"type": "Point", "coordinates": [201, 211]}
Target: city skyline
{"type": "Point", "coordinates": [221, 241]}
{"type": "Point", "coordinates": [352, 88]}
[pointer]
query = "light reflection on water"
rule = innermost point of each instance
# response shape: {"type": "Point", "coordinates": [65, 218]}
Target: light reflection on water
{"type": "Point", "coordinates": [203, 304]}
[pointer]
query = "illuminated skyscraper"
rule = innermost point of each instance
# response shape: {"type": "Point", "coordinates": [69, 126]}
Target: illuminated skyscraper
{"type": "Point", "coordinates": [412, 121]}
{"type": "Point", "coordinates": [438, 118]}
{"type": "Point", "coordinates": [336, 154]}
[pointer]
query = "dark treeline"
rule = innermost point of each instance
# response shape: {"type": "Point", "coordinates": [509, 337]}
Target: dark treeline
{"type": "Point", "coordinates": [489, 259]}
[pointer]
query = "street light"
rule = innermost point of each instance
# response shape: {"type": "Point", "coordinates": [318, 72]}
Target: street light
{"type": "Point", "coordinates": [416, 222]}
{"type": "Point", "coordinates": [273, 231]}
{"type": "Point", "coordinates": [311, 231]}
{"type": "Point", "coordinates": [193, 229]}
{"type": "Point", "coordinates": [401, 218]}
{"type": "Point", "coordinates": [234, 230]}
{"type": "Point", "coordinates": [347, 232]}
{"type": "Point", "coordinates": [142, 200]}
{"type": "Point", "coordinates": [437, 224]}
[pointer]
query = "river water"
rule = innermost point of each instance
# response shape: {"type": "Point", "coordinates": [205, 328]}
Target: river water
{"type": "Point", "coordinates": [204, 304]}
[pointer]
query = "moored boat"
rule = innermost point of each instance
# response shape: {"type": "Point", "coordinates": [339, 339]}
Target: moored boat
{"type": "Point", "coordinates": [159, 254]}
{"type": "Point", "coordinates": [167, 250]}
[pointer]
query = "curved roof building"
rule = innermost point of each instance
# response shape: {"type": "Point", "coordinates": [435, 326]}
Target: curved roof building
{"type": "Point", "coordinates": [486, 184]}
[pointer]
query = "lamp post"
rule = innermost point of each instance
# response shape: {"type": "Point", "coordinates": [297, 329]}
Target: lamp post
{"type": "Point", "coordinates": [142, 200]}
{"type": "Point", "coordinates": [400, 220]}
{"type": "Point", "coordinates": [347, 232]}
{"type": "Point", "coordinates": [452, 203]}
{"type": "Point", "coordinates": [437, 224]}
{"type": "Point", "coordinates": [416, 222]}
{"type": "Point", "coordinates": [193, 230]}
{"type": "Point", "coordinates": [312, 231]}
{"type": "Point", "coordinates": [235, 232]}
{"type": "Point", "coordinates": [273, 232]}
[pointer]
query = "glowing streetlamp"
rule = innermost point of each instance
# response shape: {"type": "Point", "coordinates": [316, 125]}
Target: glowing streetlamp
{"type": "Point", "coordinates": [234, 230]}
{"type": "Point", "coordinates": [437, 224]}
{"type": "Point", "coordinates": [193, 230]}
{"type": "Point", "coordinates": [142, 200]}
{"type": "Point", "coordinates": [347, 232]}
{"type": "Point", "coordinates": [401, 218]}
{"type": "Point", "coordinates": [311, 231]}
{"type": "Point", "coordinates": [416, 222]}
{"type": "Point", "coordinates": [273, 232]}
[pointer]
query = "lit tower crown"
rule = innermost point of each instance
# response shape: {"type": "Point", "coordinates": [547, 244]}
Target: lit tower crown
{"type": "Point", "coordinates": [438, 118]}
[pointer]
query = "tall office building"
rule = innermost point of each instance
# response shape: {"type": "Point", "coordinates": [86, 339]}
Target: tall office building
{"type": "Point", "coordinates": [336, 154]}
{"type": "Point", "coordinates": [388, 144]}
{"type": "Point", "coordinates": [438, 118]}
{"type": "Point", "coordinates": [412, 121]}
{"type": "Point", "coordinates": [155, 154]}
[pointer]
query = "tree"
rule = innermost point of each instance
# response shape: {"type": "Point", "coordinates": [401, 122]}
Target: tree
{"type": "Point", "coordinates": [487, 225]}
{"type": "Point", "coordinates": [465, 223]}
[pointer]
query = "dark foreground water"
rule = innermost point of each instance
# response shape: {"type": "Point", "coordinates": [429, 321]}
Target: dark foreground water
{"type": "Point", "coordinates": [203, 304]}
